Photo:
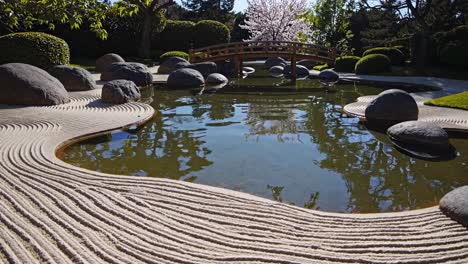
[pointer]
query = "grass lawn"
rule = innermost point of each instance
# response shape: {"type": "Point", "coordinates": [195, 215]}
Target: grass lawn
{"type": "Point", "coordinates": [459, 101]}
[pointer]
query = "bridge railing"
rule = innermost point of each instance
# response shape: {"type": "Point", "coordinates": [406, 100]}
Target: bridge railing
{"type": "Point", "coordinates": [264, 49]}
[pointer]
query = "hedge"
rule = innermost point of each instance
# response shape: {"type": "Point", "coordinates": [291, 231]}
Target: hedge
{"type": "Point", "coordinates": [177, 35]}
{"type": "Point", "coordinates": [321, 67]}
{"type": "Point", "coordinates": [346, 63]}
{"type": "Point", "coordinates": [452, 46]}
{"type": "Point", "coordinates": [373, 63]}
{"type": "Point", "coordinates": [35, 48]}
{"type": "Point", "coordinates": [174, 54]}
{"type": "Point", "coordinates": [395, 55]}
{"type": "Point", "coordinates": [209, 32]}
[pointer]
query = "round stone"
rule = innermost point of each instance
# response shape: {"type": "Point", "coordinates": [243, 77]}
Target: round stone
{"type": "Point", "coordinates": [73, 78]}
{"type": "Point", "coordinates": [455, 205]}
{"type": "Point", "coordinates": [328, 77]}
{"type": "Point", "coordinates": [216, 78]}
{"type": "Point", "coordinates": [392, 107]}
{"type": "Point", "coordinates": [276, 71]}
{"type": "Point", "coordinates": [103, 63]}
{"type": "Point", "coordinates": [120, 92]}
{"type": "Point", "coordinates": [132, 71]}
{"type": "Point", "coordinates": [301, 71]}
{"type": "Point", "coordinates": [172, 64]}
{"type": "Point", "coordinates": [271, 62]}
{"type": "Point", "coordinates": [205, 68]}
{"type": "Point", "coordinates": [248, 70]}
{"type": "Point", "coordinates": [420, 133]}
{"type": "Point", "coordinates": [24, 84]}
{"type": "Point", "coordinates": [185, 78]}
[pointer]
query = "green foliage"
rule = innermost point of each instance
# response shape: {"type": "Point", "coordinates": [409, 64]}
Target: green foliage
{"type": "Point", "coordinates": [373, 63]}
{"type": "Point", "coordinates": [208, 32]}
{"type": "Point", "coordinates": [169, 54]}
{"type": "Point", "coordinates": [346, 63]}
{"type": "Point", "coordinates": [451, 46]}
{"type": "Point", "coordinates": [35, 48]}
{"type": "Point", "coordinates": [395, 55]}
{"type": "Point", "coordinates": [404, 49]}
{"type": "Point", "coordinates": [321, 67]}
{"type": "Point", "coordinates": [219, 10]}
{"type": "Point", "coordinates": [177, 35]}
{"type": "Point", "coordinates": [459, 101]}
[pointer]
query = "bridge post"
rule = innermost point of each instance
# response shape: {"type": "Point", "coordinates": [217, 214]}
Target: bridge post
{"type": "Point", "coordinates": [293, 66]}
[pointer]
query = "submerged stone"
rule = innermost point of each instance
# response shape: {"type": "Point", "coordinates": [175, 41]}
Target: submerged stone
{"type": "Point", "coordinates": [185, 78]}
{"type": "Point", "coordinates": [216, 78]}
{"type": "Point", "coordinates": [328, 77]}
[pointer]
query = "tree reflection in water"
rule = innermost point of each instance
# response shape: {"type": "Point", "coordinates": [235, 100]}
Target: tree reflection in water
{"type": "Point", "coordinates": [304, 151]}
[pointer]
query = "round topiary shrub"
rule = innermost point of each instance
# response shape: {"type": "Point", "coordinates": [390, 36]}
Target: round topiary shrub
{"type": "Point", "coordinates": [321, 67]}
{"type": "Point", "coordinates": [395, 55]}
{"type": "Point", "coordinates": [374, 63]}
{"type": "Point", "coordinates": [209, 32]}
{"type": "Point", "coordinates": [34, 48]}
{"type": "Point", "coordinates": [177, 35]}
{"type": "Point", "coordinates": [169, 54]}
{"type": "Point", "coordinates": [346, 63]}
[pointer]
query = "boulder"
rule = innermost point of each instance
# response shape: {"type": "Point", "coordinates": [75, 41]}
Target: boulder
{"type": "Point", "coordinates": [301, 71]}
{"type": "Point", "coordinates": [73, 78]}
{"type": "Point", "coordinates": [392, 107]}
{"type": "Point", "coordinates": [132, 71]}
{"type": "Point", "coordinates": [307, 63]}
{"type": "Point", "coordinates": [216, 78]}
{"type": "Point", "coordinates": [455, 205]}
{"type": "Point", "coordinates": [185, 78]}
{"type": "Point", "coordinates": [420, 133]}
{"type": "Point", "coordinates": [328, 77]}
{"type": "Point", "coordinates": [24, 84]}
{"type": "Point", "coordinates": [271, 62]}
{"type": "Point", "coordinates": [172, 64]}
{"type": "Point", "coordinates": [103, 63]}
{"type": "Point", "coordinates": [205, 68]}
{"type": "Point", "coordinates": [120, 92]}
{"type": "Point", "coordinates": [276, 71]}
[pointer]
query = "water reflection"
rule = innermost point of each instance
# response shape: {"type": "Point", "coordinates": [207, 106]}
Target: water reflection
{"type": "Point", "coordinates": [294, 147]}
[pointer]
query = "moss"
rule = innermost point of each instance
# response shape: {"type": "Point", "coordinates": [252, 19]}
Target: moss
{"type": "Point", "coordinates": [174, 54]}
{"type": "Point", "coordinates": [459, 101]}
{"type": "Point", "coordinates": [374, 63]}
{"type": "Point", "coordinates": [346, 63]}
{"type": "Point", "coordinates": [395, 55]}
{"type": "Point", "coordinates": [35, 48]}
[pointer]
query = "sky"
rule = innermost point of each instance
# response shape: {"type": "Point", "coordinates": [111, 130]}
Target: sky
{"type": "Point", "coordinates": [239, 5]}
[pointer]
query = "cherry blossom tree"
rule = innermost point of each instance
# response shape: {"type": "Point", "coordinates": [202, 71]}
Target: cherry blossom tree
{"type": "Point", "coordinates": [277, 20]}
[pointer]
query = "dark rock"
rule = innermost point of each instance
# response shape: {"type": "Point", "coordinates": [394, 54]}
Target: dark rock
{"type": "Point", "coordinates": [132, 71]}
{"type": "Point", "coordinates": [23, 84]}
{"type": "Point", "coordinates": [276, 71]}
{"type": "Point", "coordinates": [216, 78]}
{"type": "Point", "coordinates": [328, 77]}
{"type": "Point", "coordinates": [73, 78]}
{"type": "Point", "coordinates": [185, 78]}
{"type": "Point", "coordinates": [271, 62]}
{"type": "Point", "coordinates": [172, 64]}
{"type": "Point", "coordinates": [205, 68]}
{"type": "Point", "coordinates": [120, 92]}
{"type": "Point", "coordinates": [392, 107]}
{"type": "Point", "coordinates": [103, 63]}
{"type": "Point", "coordinates": [455, 205]}
{"type": "Point", "coordinates": [301, 71]}
{"type": "Point", "coordinates": [418, 132]}
{"type": "Point", "coordinates": [307, 63]}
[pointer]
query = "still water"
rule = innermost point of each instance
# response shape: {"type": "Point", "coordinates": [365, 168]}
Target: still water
{"type": "Point", "coordinates": [291, 145]}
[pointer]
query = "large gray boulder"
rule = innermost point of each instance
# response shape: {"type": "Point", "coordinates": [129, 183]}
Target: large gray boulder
{"type": "Point", "coordinates": [328, 77]}
{"type": "Point", "coordinates": [276, 71]}
{"type": "Point", "coordinates": [205, 68]}
{"type": "Point", "coordinates": [185, 78]}
{"type": "Point", "coordinates": [301, 71]}
{"type": "Point", "coordinates": [455, 205]}
{"type": "Point", "coordinates": [132, 71]}
{"type": "Point", "coordinates": [271, 62]}
{"type": "Point", "coordinates": [392, 107]}
{"type": "Point", "coordinates": [120, 92]}
{"type": "Point", "coordinates": [24, 84]}
{"type": "Point", "coordinates": [103, 63]}
{"type": "Point", "coordinates": [171, 64]}
{"type": "Point", "coordinates": [420, 133]}
{"type": "Point", "coordinates": [216, 79]}
{"type": "Point", "coordinates": [73, 78]}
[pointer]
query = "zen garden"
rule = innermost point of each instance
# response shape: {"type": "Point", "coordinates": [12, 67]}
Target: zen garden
{"type": "Point", "coordinates": [234, 131]}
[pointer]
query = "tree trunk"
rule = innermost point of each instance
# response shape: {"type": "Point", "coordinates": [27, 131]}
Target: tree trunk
{"type": "Point", "coordinates": [422, 52]}
{"type": "Point", "coordinates": [145, 49]}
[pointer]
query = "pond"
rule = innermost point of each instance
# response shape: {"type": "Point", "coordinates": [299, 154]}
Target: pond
{"type": "Point", "coordinates": [275, 141]}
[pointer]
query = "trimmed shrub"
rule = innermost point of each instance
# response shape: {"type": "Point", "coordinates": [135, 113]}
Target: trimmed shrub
{"type": "Point", "coordinates": [177, 35]}
{"type": "Point", "coordinates": [209, 32]}
{"type": "Point", "coordinates": [321, 67]}
{"type": "Point", "coordinates": [374, 63]}
{"type": "Point", "coordinates": [35, 48]}
{"type": "Point", "coordinates": [454, 54]}
{"type": "Point", "coordinates": [173, 54]}
{"type": "Point", "coordinates": [395, 55]}
{"type": "Point", "coordinates": [346, 63]}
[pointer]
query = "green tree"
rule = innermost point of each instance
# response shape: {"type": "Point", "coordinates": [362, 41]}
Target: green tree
{"type": "Point", "coordinates": [381, 27]}
{"type": "Point", "coordinates": [219, 10]}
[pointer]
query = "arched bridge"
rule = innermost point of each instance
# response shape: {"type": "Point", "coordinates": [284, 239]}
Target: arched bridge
{"type": "Point", "coordinates": [263, 49]}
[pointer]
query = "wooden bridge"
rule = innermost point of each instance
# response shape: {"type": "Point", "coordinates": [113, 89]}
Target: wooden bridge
{"type": "Point", "coordinates": [240, 51]}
